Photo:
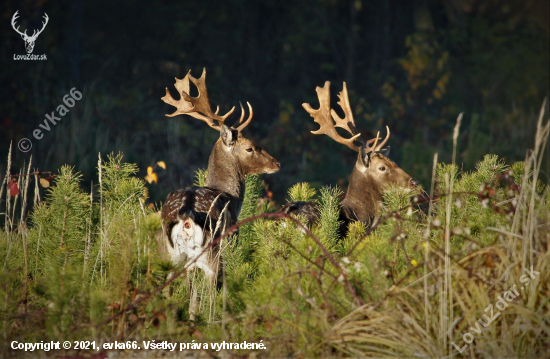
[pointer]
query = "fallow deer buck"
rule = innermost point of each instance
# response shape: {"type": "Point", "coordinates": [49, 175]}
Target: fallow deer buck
{"type": "Point", "coordinates": [194, 216]}
{"type": "Point", "coordinates": [372, 172]}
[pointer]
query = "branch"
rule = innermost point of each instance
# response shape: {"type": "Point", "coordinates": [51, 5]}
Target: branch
{"type": "Point", "coordinates": [30, 174]}
{"type": "Point", "coordinates": [228, 232]}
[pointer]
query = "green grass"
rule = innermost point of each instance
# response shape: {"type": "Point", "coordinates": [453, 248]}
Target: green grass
{"type": "Point", "coordinates": [87, 266]}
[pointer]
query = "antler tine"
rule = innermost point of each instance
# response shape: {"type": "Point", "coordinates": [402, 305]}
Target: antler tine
{"type": "Point", "coordinates": [14, 20]}
{"type": "Point", "coordinates": [323, 117]}
{"type": "Point", "coordinates": [370, 142]}
{"type": "Point", "coordinates": [182, 106]}
{"type": "Point", "coordinates": [242, 115]}
{"type": "Point", "coordinates": [44, 23]}
{"type": "Point", "coordinates": [197, 107]}
{"type": "Point", "coordinates": [201, 103]}
{"type": "Point", "coordinates": [376, 140]}
{"type": "Point", "coordinates": [379, 147]}
{"type": "Point", "coordinates": [242, 124]}
{"type": "Point", "coordinates": [347, 123]}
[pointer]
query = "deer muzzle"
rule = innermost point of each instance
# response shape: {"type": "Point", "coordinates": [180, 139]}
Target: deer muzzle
{"type": "Point", "coordinates": [275, 166]}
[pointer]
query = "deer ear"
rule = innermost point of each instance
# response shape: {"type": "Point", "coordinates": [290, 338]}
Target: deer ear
{"type": "Point", "coordinates": [364, 157]}
{"type": "Point", "coordinates": [228, 135]}
{"type": "Point", "coordinates": [385, 151]}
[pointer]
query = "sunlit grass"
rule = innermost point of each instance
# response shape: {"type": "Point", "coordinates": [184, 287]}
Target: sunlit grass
{"type": "Point", "coordinates": [91, 267]}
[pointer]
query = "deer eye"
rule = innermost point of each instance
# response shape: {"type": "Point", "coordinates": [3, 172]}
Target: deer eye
{"type": "Point", "coordinates": [382, 168]}
{"type": "Point", "coordinates": [249, 150]}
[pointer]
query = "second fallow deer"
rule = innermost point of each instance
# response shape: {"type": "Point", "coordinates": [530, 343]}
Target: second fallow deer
{"type": "Point", "coordinates": [373, 170]}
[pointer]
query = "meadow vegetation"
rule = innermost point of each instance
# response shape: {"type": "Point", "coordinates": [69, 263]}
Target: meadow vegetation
{"type": "Point", "coordinates": [82, 264]}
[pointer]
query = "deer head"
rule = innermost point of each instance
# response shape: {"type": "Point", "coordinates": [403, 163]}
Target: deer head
{"type": "Point", "coordinates": [373, 169]}
{"type": "Point", "coordinates": [233, 156]}
{"type": "Point", "coordinates": [29, 40]}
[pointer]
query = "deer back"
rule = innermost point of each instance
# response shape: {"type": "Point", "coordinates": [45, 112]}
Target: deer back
{"type": "Point", "coordinates": [192, 218]}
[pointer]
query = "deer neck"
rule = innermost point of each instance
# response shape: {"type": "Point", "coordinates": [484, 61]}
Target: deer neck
{"type": "Point", "coordinates": [225, 173]}
{"type": "Point", "coordinates": [363, 197]}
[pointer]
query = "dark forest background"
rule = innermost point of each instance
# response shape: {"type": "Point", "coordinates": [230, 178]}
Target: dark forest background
{"type": "Point", "coordinates": [411, 65]}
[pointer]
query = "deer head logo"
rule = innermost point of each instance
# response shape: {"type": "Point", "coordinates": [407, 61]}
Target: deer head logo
{"type": "Point", "coordinates": [29, 40]}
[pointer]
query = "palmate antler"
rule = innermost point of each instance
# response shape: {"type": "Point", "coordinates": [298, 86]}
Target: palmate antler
{"type": "Point", "coordinates": [199, 107]}
{"type": "Point", "coordinates": [329, 120]}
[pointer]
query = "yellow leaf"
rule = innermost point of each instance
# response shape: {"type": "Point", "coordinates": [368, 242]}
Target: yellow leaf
{"type": "Point", "coordinates": [149, 170]}
{"type": "Point", "coordinates": [151, 178]}
{"type": "Point", "coordinates": [44, 183]}
{"type": "Point", "coordinates": [161, 164]}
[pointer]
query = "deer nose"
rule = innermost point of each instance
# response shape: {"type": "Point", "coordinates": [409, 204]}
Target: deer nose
{"type": "Point", "coordinates": [413, 183]}
{"type": "Point", "coordinates": [278, 164]}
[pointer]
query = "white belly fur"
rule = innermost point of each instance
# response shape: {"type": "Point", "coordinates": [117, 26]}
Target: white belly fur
{"type": "Point", "coordinates": [189, 243]}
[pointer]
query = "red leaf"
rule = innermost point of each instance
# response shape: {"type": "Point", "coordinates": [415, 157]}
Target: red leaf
{"type": "Point", "coordinates": [14, 190]}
